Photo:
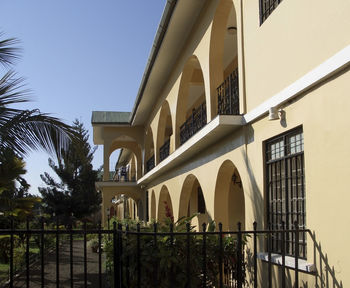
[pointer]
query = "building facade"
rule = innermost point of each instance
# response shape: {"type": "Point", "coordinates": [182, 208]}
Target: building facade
{"type": "Point", "coordinates": [241, 116]}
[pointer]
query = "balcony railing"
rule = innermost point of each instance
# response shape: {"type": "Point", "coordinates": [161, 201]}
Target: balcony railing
{"type": "Point", "coordinates": [150, 163]}
{"type": "Point", "coordinates": [228, 95]}
{"type": "Point", "coordinates": [164, 150]}
{"type": "Point", "coordinates": [194, 123]}
{"type": "Point", "coordinates": [122, 175]}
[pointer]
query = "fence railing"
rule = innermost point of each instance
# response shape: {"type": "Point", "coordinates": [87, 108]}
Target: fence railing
{"type": "Point", "coordinates": [228, 95]}
{"type": "Point", "coordinates": [164, 150]}
{"type": "Point", "coordinates": [131, 249]}
{"type": "Point", "coordinates": [196, 121]}
{"type": "Point", "coordinates": [150, 164]}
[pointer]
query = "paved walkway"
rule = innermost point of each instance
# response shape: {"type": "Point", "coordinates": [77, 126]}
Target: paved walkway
{"type": "Point", "coordinates": [78, 269]}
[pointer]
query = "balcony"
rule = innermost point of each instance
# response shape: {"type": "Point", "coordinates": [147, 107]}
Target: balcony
{"type": "Point", "coordinates": [164, 150]}
{"type": "Point", "coordinates": [228, 95]}
{"type": "Point", "coordinates": [122, 175]}
{"type": "Point", "coordinates": [150, 163]}
{"type": "Point", "coordinates": [194, 123]}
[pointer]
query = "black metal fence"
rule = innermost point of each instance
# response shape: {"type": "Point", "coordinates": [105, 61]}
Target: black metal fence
{"type": "Point", "coordinates": [228, 95]}
{"type": "Point", "coordinates": [239, 270]}
{"type": "Point", "coordinates": [150, 163]}
{"type": "Point", "coordinates": [196, 121]}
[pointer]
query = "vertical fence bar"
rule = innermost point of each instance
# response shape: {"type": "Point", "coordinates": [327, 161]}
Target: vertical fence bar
{"type": "Point", "coordinates": [71, 253]}
{"type": "Point", "coordinates": [255, 225]}
{"type": "Point", "coordinates": [221, 252]}
{"type": "Point", "coordinates": [327, 276]}
{"type": "Point", "coordinates": [283, 251]}
{"type": "Point", "coordinates": [296, 254]}
{"type": "Point", "coordinates": [138, 257]}
{"type": "Point", "coordinates": [27, 253]}
{"type": "Point", "coordinates": [155, 264]}
{"type": "Point", "coordinates": [239, 257]}
{"type": "Point", "coordinates": [120, 247]}
{"type": "Point", "coordinates": [188, 252]}
{"type": "Point", "coordinates": [115, 255]}
{"type": "Point", "coordinates": [128, 258]}
{"type": "Point", "coordinates": [171, 228]}
{"type": "Point", "coordinates": [204, 256]}
{"type": "Point", "coordinates": [85, 256]}
{"type": "Point", "coordinates": [57, 254]}
{"type": "Point", "coordinates": [269, 254]}
{"type": "Point", "coordinates": [42, 247]}
{"type": "Point", "coordinates": [99, 235]}
{"type": "Point", "coordinates": [11, 252]}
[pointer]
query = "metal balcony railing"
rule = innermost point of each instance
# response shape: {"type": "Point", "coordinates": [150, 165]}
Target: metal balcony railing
{"type": "Point", "coordinates": [194, 123]}
{"type": "Point", "coordinates": [150, 163]}
{"type": "Point", "coordinates": [164, 150]}
{"type": "Point", "coordinates": [228, 95]}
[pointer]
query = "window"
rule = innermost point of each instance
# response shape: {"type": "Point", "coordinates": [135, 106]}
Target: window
{"type": "Point", "coordinates": [266, 8]}
{"type": "Point", "coordinates": [285, 185]}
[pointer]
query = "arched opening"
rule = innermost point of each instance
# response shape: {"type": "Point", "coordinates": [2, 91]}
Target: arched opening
{"type": "Point", "coordinates": [229, 203]}
{"type": "Point", "coordinates": [165, 131]}
{"type": "Point", "coordinates": [191, 111]}
{"type": "Point", "coordinates": [223, 61]}
{"type": "Point", "coordinates": [125, 169]}
{"type": "Point", "coordinates": [165, 207]}
{"type": "Point", "coordinates": [153, 206]}
{"type": "Point", "coordinates": [149, 151]}
{"type": "Point", "coordinates": [192, 202]}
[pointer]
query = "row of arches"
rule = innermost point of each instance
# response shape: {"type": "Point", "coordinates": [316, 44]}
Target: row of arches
{"type": "Point", "coordinates": [229, 202]}
{"type": "Point", "coordinates": [205, 83]}
{"type": "Point", "coordinates": [199, 96]}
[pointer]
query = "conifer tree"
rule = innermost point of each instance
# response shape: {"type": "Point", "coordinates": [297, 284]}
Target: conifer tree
{"type": "Point", "coordinates": [76, 192]}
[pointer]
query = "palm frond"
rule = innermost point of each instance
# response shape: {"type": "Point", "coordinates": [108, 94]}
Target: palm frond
{"type": "Point", "coordinates": [29, 130]}
{"type": "Point", "coordinates": [11, 89]}
{"type": "Point", "coordinates": [8, 53]}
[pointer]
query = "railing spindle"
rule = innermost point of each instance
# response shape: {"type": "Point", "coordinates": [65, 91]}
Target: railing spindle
{"type": "Point", "coordinates": [221, 252]}
{"type": "Point", "coordinates": [57, 253]}
{"type": "Point", "coordinates": [11, 253]}
{"type": "Point", "coordinates": [283, 251]}
{"type": "Point", "coordinates": [296, 254]}
{"type": "Point", "coordinates": [71, 253]}
{"type": "Point", "coordinates": [85, 256]}
{"type": "Point", "coordinates": [138, 257]}
{"type": "Point", "coordinates": [27, 253]}
{"type": "Point", "coordinates": [120, 247]}
{"type": "Point", "coordinates": [204, 256]}
{"type": "Point", "coordinates": [188, 252]}
{"type": "Point", "coordinates": [255, 225]}
{"type": "Point", "coordinates": [42, 247]}
{"type": "Point", "coordinates": [239, 257]}
{"type": "Point", "coordinates": [269, 254]}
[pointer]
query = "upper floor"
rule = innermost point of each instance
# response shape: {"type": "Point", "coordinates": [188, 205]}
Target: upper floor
{"type": "Point", "coordinates": [215, 66]}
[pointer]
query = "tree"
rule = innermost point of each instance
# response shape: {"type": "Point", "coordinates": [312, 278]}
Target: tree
{"type": "Point", "coordinates": [25, 130]}
{"type": "Point", "coordinates": [76, 192]}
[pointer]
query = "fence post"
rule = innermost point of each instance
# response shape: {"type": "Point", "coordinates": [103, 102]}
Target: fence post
{"type": "Point", "coordinates": [296, 254]}
{"type": "Point", "coordinates": [188, 268]}
{"type": "Point", "coordinates": [155, 255]}
{"type": "Point", "coordinates": [269, 248]}
{"type": "Point", "coordinates": [27, 252]}
{"type": "Point", "coordinates": [204, 255]}
{"type": "Point", "coordinates": [127, 259]}
{"type": "Point", "coordinates": [221, 252]}
{"type": "Point", "coordinates": [99, 255]}
{"type": "Point", "coordinates": [85, 256]}
{"type": "Point", "coordinates": [120, 247]}
{"type": "Point", "coordinates": [283, 250]}
{"type": "Point", "coordinates": [171, 228]}
{"type": "Point", "coordinates": [42, 247]}
{"type": "Point", "coordinates": [239, 257]}
{"type": "Point", "coordinates": [11, 253]}
{"type": "Point", "coordinates": [138, 257]}
{"type": "Point", "coordinates": [57, 254]}
{"type": "Point", "coordinates": [255, 225]}
{"type": "Point", "coordinates": [115, 255]}
{"type": "Point", "coordinates": [71, 252]}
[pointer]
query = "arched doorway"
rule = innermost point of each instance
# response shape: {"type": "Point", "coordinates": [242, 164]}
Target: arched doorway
{"type": "Point", "coordinates": [165, 207]}
{"type": "Point", "coordinates": [229, 203]}
{"type": "Point", "coordinates": [165, 131]}
{"type": "Point", "coordinates": [223, 61]}
{"type": "Point", "coordinates": [191, 112]}
{"type": "Point", "coordinates": [149, 151]}
{"type": "Point", "coordinates": [192, 202]}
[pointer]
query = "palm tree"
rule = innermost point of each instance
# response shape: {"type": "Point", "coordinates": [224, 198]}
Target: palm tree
{"type": "Point", "coordinates": [25, 130]}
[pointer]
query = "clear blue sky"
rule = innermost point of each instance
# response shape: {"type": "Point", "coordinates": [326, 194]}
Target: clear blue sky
{"type": "Point", "coordinates": [79, 56]}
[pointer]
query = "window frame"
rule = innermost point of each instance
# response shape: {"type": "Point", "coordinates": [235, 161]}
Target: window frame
{"type": "Point", "coordinates": [285, 184]}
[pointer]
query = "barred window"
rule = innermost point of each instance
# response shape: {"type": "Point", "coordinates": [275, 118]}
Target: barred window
{"type": "Point", "coordinates": [285, 184]}
{"type": "Point", "coordinates": [266, 8]}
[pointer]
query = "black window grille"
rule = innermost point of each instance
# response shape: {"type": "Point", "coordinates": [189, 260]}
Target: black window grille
{"type": "Point", "coordinates": [201, 202]}
{"type": "Point", "coordinates": [266, 8]}
{"type": "Point", "coordinates": [285, 178]}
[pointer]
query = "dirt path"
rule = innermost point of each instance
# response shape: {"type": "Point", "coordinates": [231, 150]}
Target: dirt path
{"type": "Point", "coordinates": [78, 269]}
